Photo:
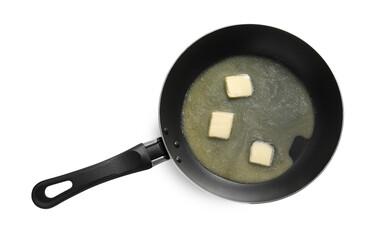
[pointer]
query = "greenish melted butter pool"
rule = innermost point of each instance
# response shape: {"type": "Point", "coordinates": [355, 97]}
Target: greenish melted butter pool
{"type": "Point", "coordinates": [278, 110]}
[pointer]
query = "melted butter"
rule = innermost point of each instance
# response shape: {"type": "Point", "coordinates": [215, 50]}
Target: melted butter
{"type": "Point", "coordinates": [278, 110]}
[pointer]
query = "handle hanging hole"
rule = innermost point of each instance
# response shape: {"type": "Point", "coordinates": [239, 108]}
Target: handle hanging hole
{"type": "Point", "coordinates": [56, 189]}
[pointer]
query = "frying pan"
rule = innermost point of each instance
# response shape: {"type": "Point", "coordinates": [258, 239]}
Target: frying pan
{"type": "Point", "coordinates": [310, 156]}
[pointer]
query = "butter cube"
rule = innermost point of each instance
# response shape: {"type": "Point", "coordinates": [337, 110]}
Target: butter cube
{"type": "Point", "coordinates": [261, 153]}
{"type": "Point", "coordinates": [239, 86]}
{"type": "Point", "coordinates": [220, 125]}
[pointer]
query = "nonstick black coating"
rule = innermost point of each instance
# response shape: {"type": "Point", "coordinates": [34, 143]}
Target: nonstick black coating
{"type": "Point", "coordinates": [310, 156]}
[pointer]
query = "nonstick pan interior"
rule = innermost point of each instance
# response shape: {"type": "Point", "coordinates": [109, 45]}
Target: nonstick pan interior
{"type": "Point", "coordinates": [310, 156]}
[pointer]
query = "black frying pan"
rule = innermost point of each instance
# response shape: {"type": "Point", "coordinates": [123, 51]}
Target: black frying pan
{"type": "Point", "coordinates": [310, 156]}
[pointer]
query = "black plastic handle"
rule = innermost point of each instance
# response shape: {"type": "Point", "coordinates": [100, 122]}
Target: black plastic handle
{"type": "Point", "coordinates": [136, 159]}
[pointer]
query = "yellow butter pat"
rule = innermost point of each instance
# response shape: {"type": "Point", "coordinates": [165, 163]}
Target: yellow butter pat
{"type": "Point", "coordinates": [221, 125]}
{"type": "Point", "coordinates": [239, 86]}
{"type": "Point", "coordinates": [261, 153]}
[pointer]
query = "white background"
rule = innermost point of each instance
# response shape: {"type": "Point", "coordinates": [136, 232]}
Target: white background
{"type": "Point", "coordinates": [80, 81]}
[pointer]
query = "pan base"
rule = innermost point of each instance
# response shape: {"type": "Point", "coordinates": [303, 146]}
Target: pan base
{"type": "Point", "coordinates": [279, 110]}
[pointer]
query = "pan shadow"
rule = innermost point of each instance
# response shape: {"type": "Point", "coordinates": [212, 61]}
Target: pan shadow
{"type": "Point", "coordinates": [185, 183]}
